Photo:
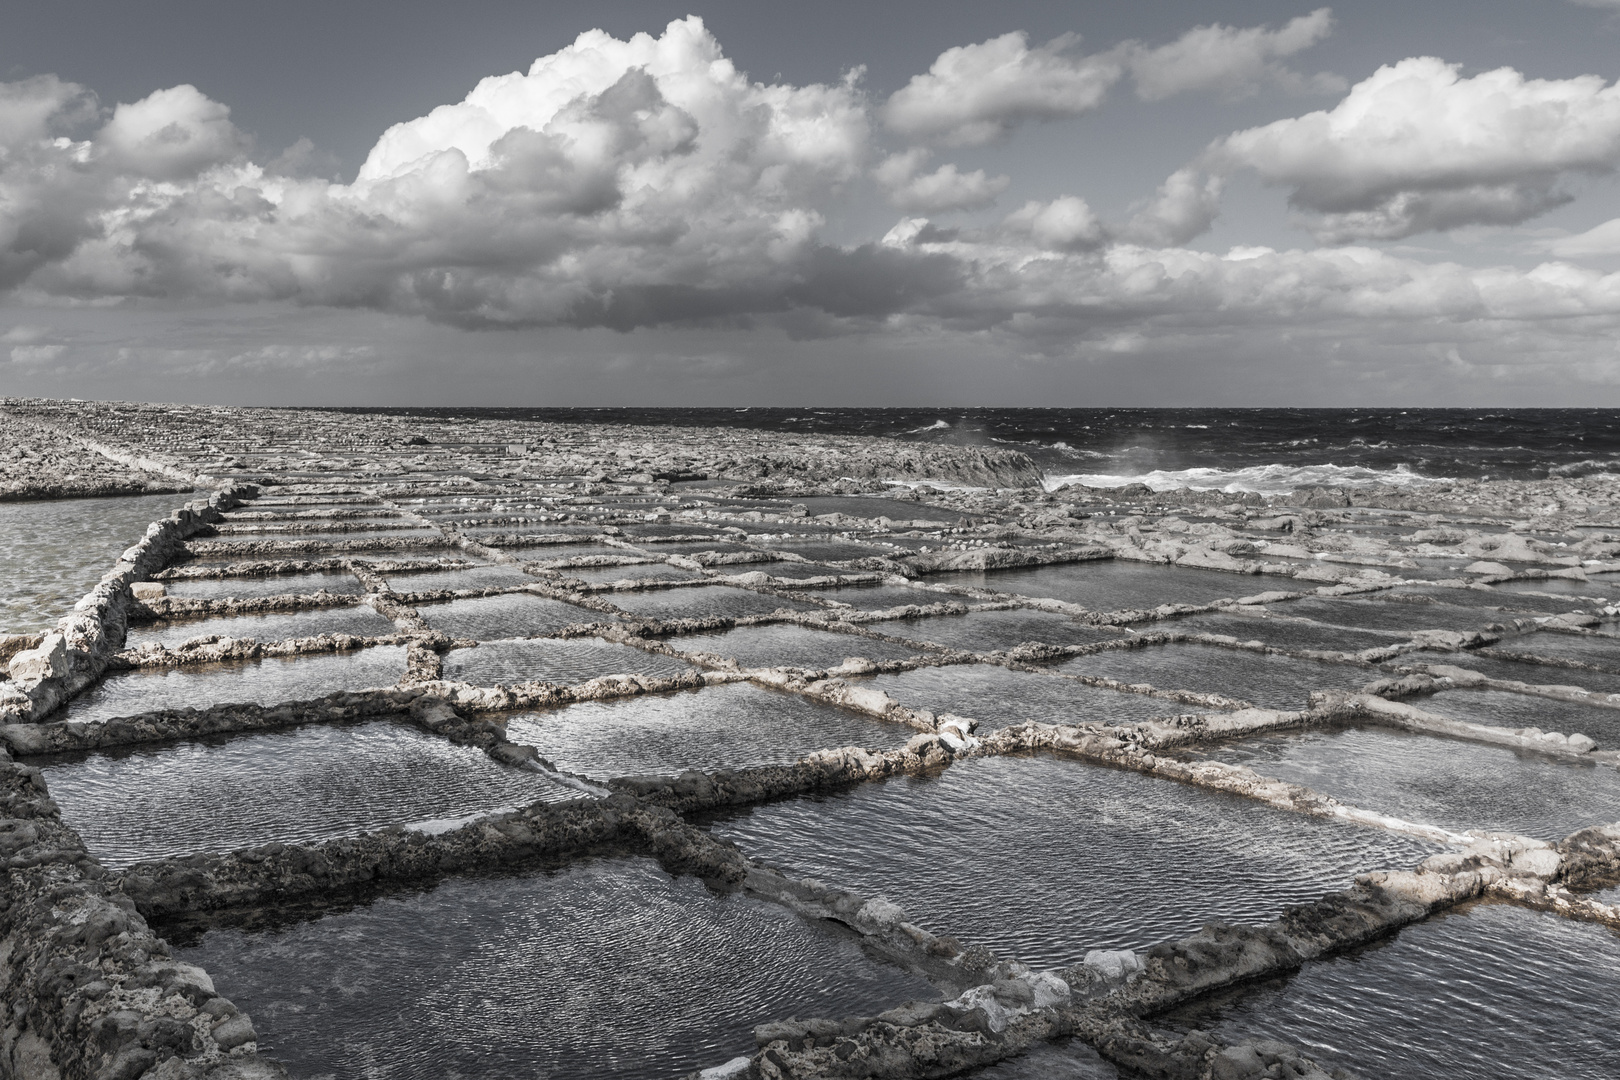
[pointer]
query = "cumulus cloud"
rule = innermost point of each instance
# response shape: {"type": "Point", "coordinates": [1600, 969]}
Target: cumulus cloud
{"type": "Point", "coordinates": [974, 94]}
{"type": "Point", "coordinates": [1417, 147]}
{"type": "Point", "coordinates": [1185, 206]}
{"type": "Point", "coordinates": [1231, 61]}
{"type": "Point", "coordinates": [945, 188]}
{"type": "Point", "coordinates": [1063, 224]}
{"type": "Point", "coordinates": [615, 180]}
{"type": "Point", "coordinates": [648, 182]}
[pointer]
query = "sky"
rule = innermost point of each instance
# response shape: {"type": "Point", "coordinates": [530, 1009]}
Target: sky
{"type": "Point", "coordinates": [761, 203]}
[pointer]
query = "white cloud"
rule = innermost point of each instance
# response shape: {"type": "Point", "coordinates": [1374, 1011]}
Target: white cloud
{"type": "Point", "coordinates": [1602, 239]}
{"type": "Point", "coordinates": [1416, 147]}
{"type": "Point", "coordinates": [617, 182]}
{"type": "Point", "coordinates": [172, 134]}
{"type": "Point", "coordinates": [1063, 224]}
{"type": "Point", "coordinates": [974, 94]}
{"type": "Point", "coordinates": [1184, 207]}
{"type": "Point", "coordinates": [1230, 60]}
{"type": "Point", "coordinates": [944, 189]}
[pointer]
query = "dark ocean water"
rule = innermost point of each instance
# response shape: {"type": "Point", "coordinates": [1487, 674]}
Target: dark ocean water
{"type": "Point", "coordinates": [1241, 449]}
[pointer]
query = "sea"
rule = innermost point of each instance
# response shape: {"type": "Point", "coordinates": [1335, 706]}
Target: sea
{"type": "Point", "coordinates": [1271, 451]}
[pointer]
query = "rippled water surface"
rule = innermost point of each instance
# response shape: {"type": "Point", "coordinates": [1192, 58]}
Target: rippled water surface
{"type": "Point", "coordinates": [510, 615]}
{"type": "Point", "coordinates": [1516, 603]}
{"type": "Point", "coordinates": [609, 969]}
{"type": "Point", "coordinates": [1502, 709]}
{"type": "Point", "coordinates": [340, 584]}
{"type": "Point", "coordinates": [301, 785]}
{"type": "Point", "coordinates": [555, 660]}
{"type": "Point", "coordinates": [1491, 665]}
{"type": "Point", "coordinates": [1118, 584]}
{"type": "Point", "coordinates": [1457, 785]}
{"type": "Point", "coordinates": [1588, 648]}
{"type": "Point", "coordinates": [358, 620]}
{"type": "Point", "coordinates": [53, 552]}
{"type": "Point", "coordinates": [473, 577]}
{"type": "Point", "coordinates": [1398, 617]}
{"type": "Point", "coordinates": [718, 727]}
{"type": "Point", "coordinates": [264, 682]}
{"type": "Point", "coordinates": [785, 644]}
{"type": "Point", "coordinates": [700, 602]}
{"type": "Point", "coordinates": [1043, 859]}
{"type": "Point", "coordinates": [988, 631]}
{"type": "Point", "coordinates": [1283, 632]}
{"type": "Point", "coordinates": [999, 697]}
{"type": "Point", "coordinates": [882, 597]}
{"type": "Point", "coordinates": [1491, 990]}
{"type": "Point", "coordinates": [1267, 680]}
{"type": "Point", "coordinates": [605, 575]}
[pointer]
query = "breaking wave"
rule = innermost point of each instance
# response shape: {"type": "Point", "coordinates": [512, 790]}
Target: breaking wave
{"type": "Point", "coordinates": [1273, 479]}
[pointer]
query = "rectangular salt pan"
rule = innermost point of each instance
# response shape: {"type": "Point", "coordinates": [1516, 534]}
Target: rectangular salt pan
{"type": "Point", "coordinates": [719, 727]}
{"type": "Point", "coordinates": [1456, 785]}
{"type": "Point", "coordinates": [565, 661]}
{"type": "Point", "coordinates": [1485, 990]}
{"type": "Point", "coordinates": [606, 575]}
{"type": "Point", "coordinates": [787, 645]}
{"type": "Point", "coordinates": [1499, 708]}
{"type": "Point", "coordinates": [357, 620]}
{"type": "Point", "coordinates": [1264, 679]}
{"type": "Point", "coordinates": [1281, 632]}
{"type": "Point", "coordinates": [1493, 666]}
{"type": "Point", "coordinates": [474, 577]}
{"type": "Point", "coordinates": [511, 615]}
{"type": "Point", "coordinates": [990, 631]}
{"type": "Point", "coordinates": [1117, 585]}
{"type": "Point", "coordinates": [1515, 603]}
{"type": "Point", "coordinates": [999, 697]}
{"type": "Point", "coordinates": [340, 584]}
{"type": "Point", "coordinates": [1391, 615]}
{"type": "Point", "coordinates": [262, 682]}
{"type": "Point", "coordinates": [1600, 649]}
{"type": "Point", "coordinates": [883, 597]}
{"type": "Point", "coordinates": [607, 970]}
{"type": "Point", "coordinates": [1041, 859]}
{"type": "Point", "coordinates": [303, 785]}
{"type": "Point", "coordinates": [700, 602]}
